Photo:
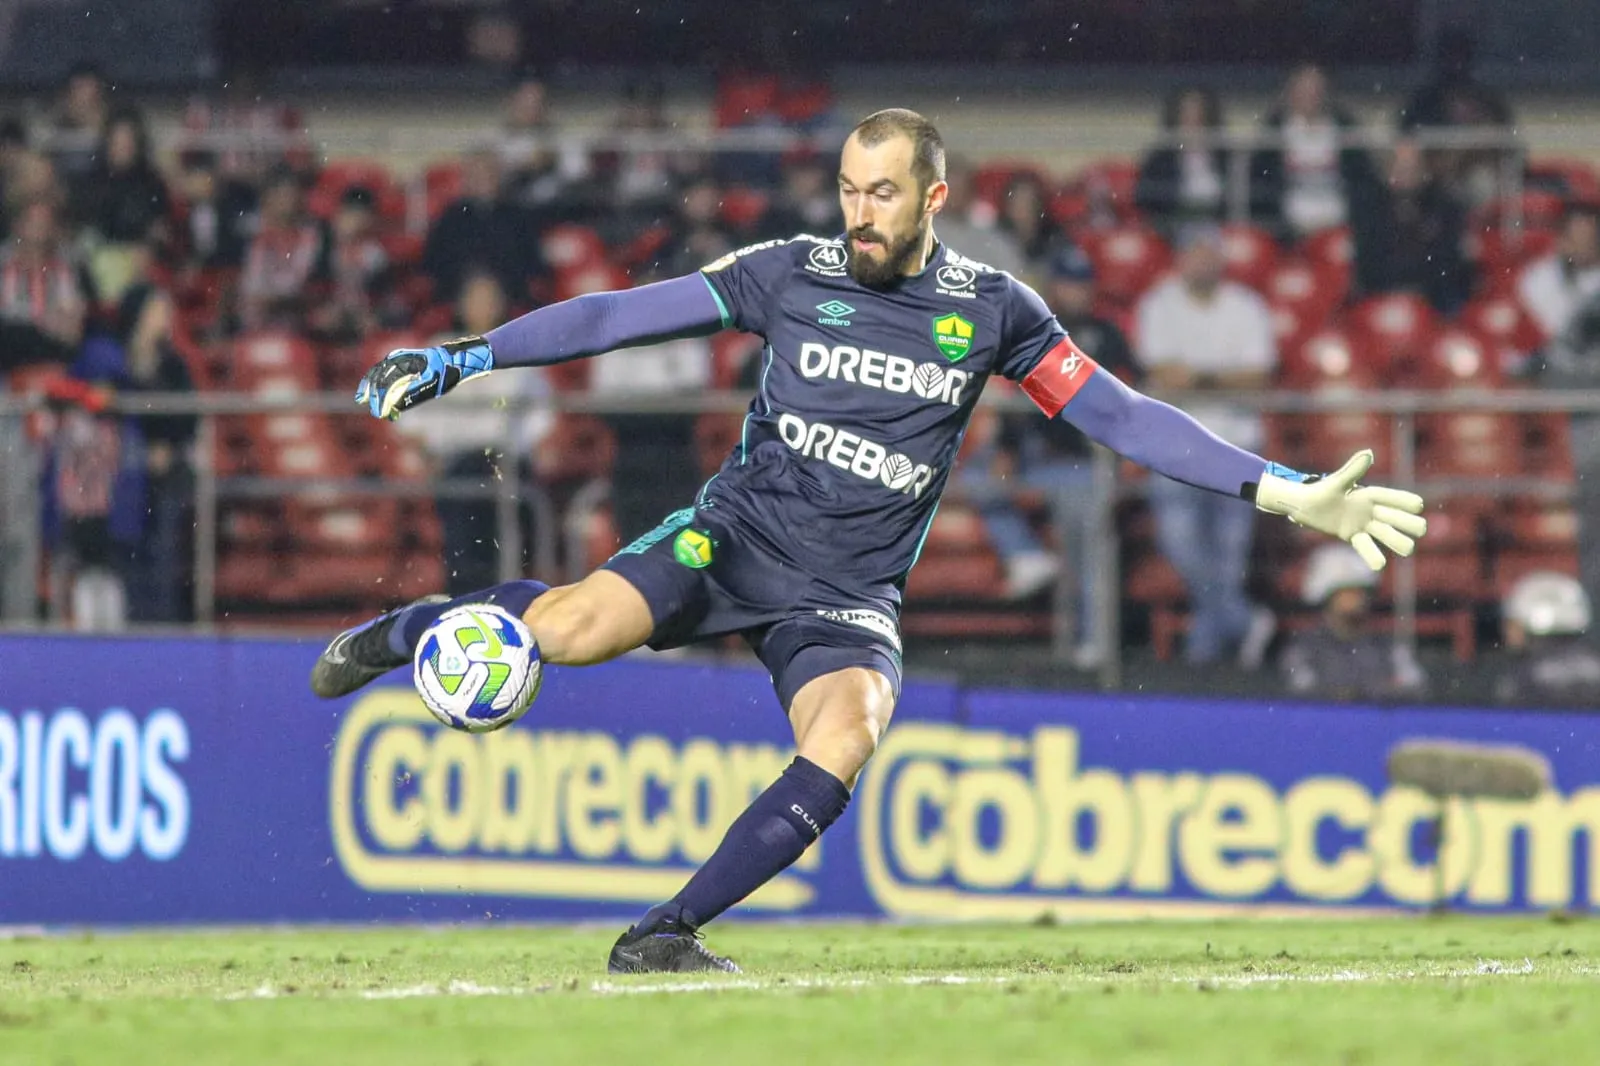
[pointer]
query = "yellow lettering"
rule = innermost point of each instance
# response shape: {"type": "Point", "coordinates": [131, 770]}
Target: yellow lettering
{"type": "Point", "coordinates": [397, 752]}
{"type": "Point", "coordinates": [556, 754]}
{"type": "Point", "coordinates": [510, 811]}
{"type": "Point", "coordinates": [923, 856]}
{"type": "Point", "coordinates": [451, 826]}
{"type": "Point", "coordinates": [701, 765]}
{"type": "Point", "coordinates": [648, 759]}
{"type": "Point", "coordinates": [1008, 793]}
{"type": "Point", "coordinates": [1160, 800]}
{"type": "Point", "coordinates": [1308, 804]}
{"type": "Point", "coordinates": [1227, 842]}
{"type": "Point", "coordinates": [1065, 797]}
{"type": "Point", "coordinates": [1549, 825]}
{"type": "Point", "coordinates": [594, 793]}
{"type": "Point", "coordinates": [1400, 876]}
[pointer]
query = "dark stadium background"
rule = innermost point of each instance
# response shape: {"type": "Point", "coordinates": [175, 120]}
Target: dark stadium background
{"type": "Point", "coordinates": [387, 96]}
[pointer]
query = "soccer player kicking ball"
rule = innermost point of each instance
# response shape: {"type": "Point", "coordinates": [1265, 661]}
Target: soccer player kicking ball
{"type": "Point", "coordinates": [878, 344]}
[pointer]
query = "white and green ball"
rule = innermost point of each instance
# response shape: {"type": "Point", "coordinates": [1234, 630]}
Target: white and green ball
{"type": "Point", "coordinates": [478, 668]}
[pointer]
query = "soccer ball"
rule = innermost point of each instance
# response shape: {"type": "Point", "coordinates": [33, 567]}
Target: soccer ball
{"type": "Point", "coordinates": [478, 668]}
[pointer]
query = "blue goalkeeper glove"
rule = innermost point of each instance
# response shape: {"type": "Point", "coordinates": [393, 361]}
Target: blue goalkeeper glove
{"type": "Point", "coordinates": [408, 376]}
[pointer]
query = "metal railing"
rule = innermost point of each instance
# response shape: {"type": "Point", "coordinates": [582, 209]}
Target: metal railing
{"type": "Point", "coordinates": [213, 490]}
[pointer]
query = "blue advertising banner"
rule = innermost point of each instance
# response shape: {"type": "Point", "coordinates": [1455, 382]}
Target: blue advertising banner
{"type": "Point", "coordinates": [197, 780]}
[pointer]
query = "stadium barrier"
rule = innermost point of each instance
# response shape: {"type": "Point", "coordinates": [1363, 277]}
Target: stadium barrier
{"type": "Point", "coordinates": [157, 780]}
{"type": "Point", "coordinates": [1403, 409]}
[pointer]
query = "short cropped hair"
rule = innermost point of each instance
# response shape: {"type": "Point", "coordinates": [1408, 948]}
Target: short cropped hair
{"type": "Point", "coordinates": [927, 147]}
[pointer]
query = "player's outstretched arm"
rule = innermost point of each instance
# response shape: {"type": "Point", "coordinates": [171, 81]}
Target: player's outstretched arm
{"type": "Point", "coordinates": [1168, 441]}
{"type": "Point", "coordinates": [572, 329]}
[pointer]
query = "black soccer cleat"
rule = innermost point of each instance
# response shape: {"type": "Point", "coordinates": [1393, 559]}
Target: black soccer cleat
{"type": "Point", "coordinates": [665, 946]}
{"type": "Point", "coordinates": [360, 654]}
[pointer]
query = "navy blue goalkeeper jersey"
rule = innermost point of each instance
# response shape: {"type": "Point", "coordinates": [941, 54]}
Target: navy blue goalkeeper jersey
{"type": "Point", "coordinates": [865, 395]}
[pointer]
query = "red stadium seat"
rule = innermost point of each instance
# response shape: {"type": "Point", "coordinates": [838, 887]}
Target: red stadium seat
{"type": "Point", "coordinates": [592, 277]}
{"type": "Point", "coordinates": [441, 185]}
{"type": "Point", "coordinates": [1456, 359]}
{"type": "Point", "coordinates": [577, 448]}
{"type": "Point", "coordinates": [1568, 178]}
{"type": "Point", "coordinates": [1251, 254]}
{"type": "Point", "coordinates": [743, 208]}
{"type": "Point", "coordinates": [1127, 260]}
{"type": "Point", "coordinates": [1398, 329]}
{"type": "Point", "coordinates": [1501, 254]}
{"type": "Point", "coordinates": [571, 247]}
{"type": "Point", "coordinates": [272, 364]}
{"type": "Point", "coordinates": [730, 351]}
{"type": "Point", "coordinates": [1547, 444]}
{"type": "Point", "coordinates": [1468, 444]}
{"type": "Point", "coordinates": [339, 175]}
{"type": "Point", "coordinates": [1510, 332]}
{"type": "Point", "coordinates": [991, 180]}
{"type": "Point", "coordinates": [1329, 358]}
{"type": "Point", "coordinates": [1112, 182]}
{"type": "Point", "coordinates": [1331, 252]}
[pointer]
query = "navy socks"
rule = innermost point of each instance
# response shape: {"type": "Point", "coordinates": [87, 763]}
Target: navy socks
{"type": "Point", "coordinates": [761, 843]}
{"type": "Point", "coordinates": [514, 597]}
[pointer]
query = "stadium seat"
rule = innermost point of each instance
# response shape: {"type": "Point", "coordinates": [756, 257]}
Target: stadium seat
{"type": "Point", "coordinates": [1457, 359]}
{"type": "Point", "coordinates": [1127, 260]}
{"type": "Point", "coordinates": [577, 448]}
{"type": "Point", "coordinates": [441, 185]}
{"type": "Point", "coordinates": [1111, 183]}
{"type": "Point", "coordinates": [1396, 328]}
{"type": "Point", "coordinates": [730, 351]}
{"type": "Point", "coordinates": [1331, 253]}
{"type": "Point", "coordinates": [1547, 446]}
{"type": "Point", "coordinates": [1510, 332]}
{"type": "Point", "coordinates": [990, 181]}
{"type": "Point", "coordinates": [1251, 254]}
{"type": "Point", "coordinates": [1468, 444]}
{"type": "Point", "coordinates": [743, 208]}
{"type": "Point", "coordinates": [272, 365]}
{"type": "Point", "coordinates": [339, 175]}
{"type": "Point", "coordinates": [569, 246]}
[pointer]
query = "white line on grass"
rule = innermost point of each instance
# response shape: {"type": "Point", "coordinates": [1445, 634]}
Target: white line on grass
{"type": "Point", "coordinates": [1483, 968]}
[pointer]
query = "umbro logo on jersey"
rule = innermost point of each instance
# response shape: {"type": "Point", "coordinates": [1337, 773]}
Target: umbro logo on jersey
{"type": "Point", "coordinates": [827, 259]}
{"type": "Point", "coordinates": [834, 312]}
{"type": "Point", "coordinates": [850, 451]}
{"type": "Point", "coordinates": [878, 370]}
{"type": "Point", "coordinates": [957, 281]}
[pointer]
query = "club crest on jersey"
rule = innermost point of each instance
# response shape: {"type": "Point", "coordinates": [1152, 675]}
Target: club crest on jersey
{"type": "Point", "coordinates": [827, 259]}
{"type": "Point", "coordinates": [834, 312]}
{"type": "Point", "coordinates": [952, 335]}
{"type": "Point", "coordinates": [955, 280]}
{"type": "Point", "coordinates": [693, 549]}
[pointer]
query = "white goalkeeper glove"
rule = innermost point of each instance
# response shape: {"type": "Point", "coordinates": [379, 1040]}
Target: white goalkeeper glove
{"type": "Point", "coordinates": [1365, 517]}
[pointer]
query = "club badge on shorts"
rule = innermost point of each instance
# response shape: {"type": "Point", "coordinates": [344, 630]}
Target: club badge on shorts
{"type": "Point", "coordinates": [693, 549]}
{"type": "Point", "coordinates": [952, 335]}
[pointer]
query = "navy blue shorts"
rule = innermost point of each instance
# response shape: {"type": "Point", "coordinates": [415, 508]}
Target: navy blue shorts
{"type": "Point", "coordinates": [705, 576]}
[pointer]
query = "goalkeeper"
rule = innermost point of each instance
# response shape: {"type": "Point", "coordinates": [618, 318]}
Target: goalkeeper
{"type": "Point", "coordinates": [879, 342]}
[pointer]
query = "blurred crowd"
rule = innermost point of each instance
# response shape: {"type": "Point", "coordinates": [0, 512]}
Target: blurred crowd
{"type": "Point", "coordinates": [1221, 261]}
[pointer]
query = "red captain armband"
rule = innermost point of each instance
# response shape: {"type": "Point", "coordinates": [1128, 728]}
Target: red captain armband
{"type": "Point", "coordinates": [1058, 377]}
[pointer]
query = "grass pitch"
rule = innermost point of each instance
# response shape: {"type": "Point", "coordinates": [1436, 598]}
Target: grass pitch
{"type": "Point", "coordinates": [1411, 991]}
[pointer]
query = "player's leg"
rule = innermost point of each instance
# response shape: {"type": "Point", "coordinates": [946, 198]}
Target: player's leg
{"type": "Point", "coordinates": [840, 700]}
{"type": "Point", "coordinates": [612, 611]}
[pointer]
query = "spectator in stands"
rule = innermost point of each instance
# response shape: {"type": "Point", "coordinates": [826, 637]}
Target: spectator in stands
{"type": "Point", "coordinates": [656, 468]}
{"type": "Point", "coordinates": [1453, 98]}
{"type": "Point", "coordinates": [252, 134]}
{"type": "Point", "coordinates": [467, 448]}
{"type": "Point", "coordinates": [123, 202]}
{"type": "Point", "coordinates": [1309, 176]}
{"type": "Point", "coordinates": [213, 231]}
{"type": "Point", "coordinates": [481, 230]}
{"type": "Point", "coordinates": [1342, 659]}
{"type": "Point", "coordinates": [75, 130]}
{"type": "Point", "coordinates": [363, 280]}
{"type": "Point", "coordinates": [1409, 238]}
{"type": "Point", "coordinates": [289, 254]}
{"type": "Point", "coordinates": [159, 560]}
{"type": "Point", "coordinates": [698, 233]}
{"type": "Point", "coordinates": [13, 145]}
{"type": "Point", "coordinates": [1562, 293]}
{"type": "Point", "coordinates": [1556, 287]}
{"type": "Point", "coordinates": [1053, 458]}
{"type": "Point", "coordinates": [91, 509]}
{"type": "Point", "coordinates": [544, 172]}
{"type": "Point", "coordinates": [1199, 332]}
{"type": "Point", "coordinates": [1023, 218]}
{"type": "Point", "coordinates": [45, 290]}
{"type": "Point", "coordinates": [640, 178]}
{"type": "Point", "coordinates": [32, 178]}
{"type": "Point", "coordinates": [1186, 178]}
{"type": "Point", "coordinates": [808, 201]}
{"type": "Point", "coordinates": [969, 227]}
{"type": "Point", "coordinates": [1546, 618]}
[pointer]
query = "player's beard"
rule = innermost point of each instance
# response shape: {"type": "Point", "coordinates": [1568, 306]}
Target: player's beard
{"type": "Point", "coordinates": [873, 273]}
